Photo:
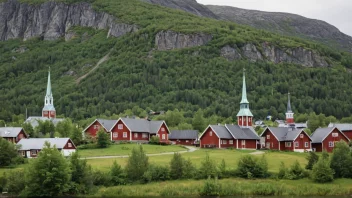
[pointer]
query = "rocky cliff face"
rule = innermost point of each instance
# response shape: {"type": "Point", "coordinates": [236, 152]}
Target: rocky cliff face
{"type": "Point", "coordinates": [168, 40]}
{"type": "Point", "coordinates": [274, 54]}
{"type": "Point", "coordinates": [51, 20]}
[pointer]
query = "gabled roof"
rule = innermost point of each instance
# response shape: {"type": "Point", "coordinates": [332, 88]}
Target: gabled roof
{"type": "Point", "coordinates": [285, 134]}
{"type": "Point", "coordinates": [221, 131]}
{"type": "Point", "coordinates": [183, 134]}
{"type": "Point", "coordinates": [9, 131]}
{"type": "Point", "coordinates": [320, 134]}
{"type": "Point", "coordinates": [342, 126]}
{"type": "Point", "coordinates": [33, 120]}
{"type": "Point", "coordinates": [107, 124]}
{"type": "Point", "coordinates": [38, 143]}
{"type": "Point", "coordinates": [242, 133]}
{"type": "Point", "coordinates": [143, 125]}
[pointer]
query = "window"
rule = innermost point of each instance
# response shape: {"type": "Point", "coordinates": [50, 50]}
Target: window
{"type": "Point", "coordinates": [163, 137]}
{"type": "Point", "coordinates": [162, 129]}
{"type": "Point", "coordinates": [301, 135]}
{"type": "Point", "coordinates": [187, 140]}
{"type": "Point", "coordinates": [230, 141]}
{"type": "Point", "coordinates": [268, 137]}
{"type": "Point", "coordinates": [115, 135]}
{"type": "Point", "coordinates": [120, 126]}
{"type": "Point", "coordinates": [224, 142]}
{"type": "Point", "coordinates": [296, 144]}
{"type": "Point", "coordinates": [331, 144]}
{"type": "Point", "coordinates": [287, 144]}
{"type": "Point", "coordinates": [124, 134]}
{"type": "Point", "coordinates": [33, 152]}
{"type": "Point", "coordinates": [23, 153]}
{"type": "Point", "coordinates": [335, 135]}
{"type": "Point", "coordinates": [136, 135]}
{"type": "Point", "coordinates": [306, 144]}
{"type": "Point", "coordinates": [210, 133]}
{"type": "Point", "coordinates": [243, 142]}
{"type": "Point", "coordinates": [144, 135]}
{"type": "Point", "coordinates": [69, 145]}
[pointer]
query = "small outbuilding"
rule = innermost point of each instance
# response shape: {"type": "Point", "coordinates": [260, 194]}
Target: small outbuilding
{"type": "Point", "coordinates": [184, 137]}
{"type": "Point", "coordinates": [13, 134]}
{"type": "Point", "coordinates": [325, 138]}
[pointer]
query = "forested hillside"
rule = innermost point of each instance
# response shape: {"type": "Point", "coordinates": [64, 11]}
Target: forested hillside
{"type": "Point", "coordinates": [137, 73]}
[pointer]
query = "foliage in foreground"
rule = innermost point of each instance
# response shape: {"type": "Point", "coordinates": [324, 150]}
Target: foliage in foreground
{"type": "Point", "coordinates": [322, 173]}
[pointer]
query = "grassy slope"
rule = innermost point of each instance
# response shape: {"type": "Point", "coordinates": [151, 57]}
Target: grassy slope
{"type": "Point", "coordinates": [125, 149]}
{"type": "Point", "coordinates": [234, 186]}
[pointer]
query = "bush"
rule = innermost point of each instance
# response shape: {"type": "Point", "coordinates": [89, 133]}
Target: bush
{"type": "Point", "coordinates": [282, 171]}
{"type": "Point", "coordinates": [101, 178]}
{"type": "Point", "coordinates": [137, 164]}
{"type": "Point", "coordinates": [211, 188]}
{"type": "Point", "coordinates": [154, 140]}
{"type": "Point", "coordinates": [3, 181]}
{"type": "Point", "coordinates": [322, 173]}
{"type": "Point", "coordinates": [207, 169]}
{"type": "Point", "coordinates": [176, 166]}
{"type": "Point", "coordinates": [341, 160]}
{"type": "Point", "coordinates": [87, 146]}
{"type": "Point", "coordinates": [103, 139]}
{"type": "Point", "coordinates": [15, 182]}
{"type": "Point", "coordinates": [249, 167]}
{"type": "Point", "coordinates": [190, 170]}
{"type": "Point", "coordinates": [81, 177]}
{"type": "Point", "coordinates": [312, 159]}
{"type": "Point", "coordinates": [156, 173]}
{"type": "Point", "coordinates": [117, 174]}
{"type": "Point", "coordinates": [8, 153]}
{"type": "Point", "coordinates": [295, 172]}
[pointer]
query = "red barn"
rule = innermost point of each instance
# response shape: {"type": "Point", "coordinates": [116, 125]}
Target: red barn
{"type": "Point", "coordinates": [13, 134]}
{"type": "Point", "coordinates": [229, 136]}
{"type": "Point", "coordinates": [286, 139]}
{"type": "Point", "coordinates": [344, 128]}
{"type": "Point", "coordinates": [325, 138]}
{"type": "Point", "coordinates": [97, 124]}
{"type": "Point", "coordinates": [184, 137]}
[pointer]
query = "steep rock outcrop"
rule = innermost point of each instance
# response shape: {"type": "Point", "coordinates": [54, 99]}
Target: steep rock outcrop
{"type": "Point", "coordinates": [51, 20]}
{"type": "Point", "coordinates": [275, 54]}
{"type": "Point", "coordinates": [169, 40]}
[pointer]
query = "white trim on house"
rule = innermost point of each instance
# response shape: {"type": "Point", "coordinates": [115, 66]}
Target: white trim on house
{"type": "Point", "coordinates": [261, 135]}
{"type": "Point", "coordinates": [206, 130]}
{"type": "Point", "coordinates": [90, 125]}
{"type": "Point", "coordinates": [303, 132]}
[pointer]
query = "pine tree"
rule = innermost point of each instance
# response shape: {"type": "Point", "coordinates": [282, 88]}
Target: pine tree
{"type": "Point", "coordinates": [341, 160]}
{"type": "Point", "coordinates": [208, 168]}
{"type": "Point", "coordinates": [117, 174]}
{"type": "Point", "coordinates": [102, 139]}
{"type": "Point", "coordinates": [312, 159]}
{"type": "Point", "coordinates": [322, 173]}
{"type": "Point", "coordinates": [137, 164]}
{"type": "Point", "coordinates": [81, 177]}
{"type": "Point", "coordinates": [282, 171]}
{"type": "Point", "coordinates": [176, 166]}
{"type": "Point", "coordinates": [48, 175]}
{"type": "Point", "coordinates": [76, 136]}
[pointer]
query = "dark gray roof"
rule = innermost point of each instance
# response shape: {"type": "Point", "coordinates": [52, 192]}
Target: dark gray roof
{"type": "Point", "coordinates": [33, 120]}
{"type": "Point", "coordinates": [242, 133]}
{"type": "Point", "coordinates": [319, 135]}
{"type": "Point", "coordinates": [284, 133]}
{"type": "Point", "coordinates": [183, 134]}
{"type": "Point", "coordinates": [38, 143]}
{"type": "Point", "coordinates": [341, 127]}
{"type": "Point", "coordinates": [142, 125]}
{"type": "Point", "coordinates": [221, 131]}
{"type": "Point", "coordinates": [10, 131]}
{"type": "Point", "coordinates": [107, 124]}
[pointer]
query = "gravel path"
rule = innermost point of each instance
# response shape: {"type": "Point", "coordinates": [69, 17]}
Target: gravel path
{"type": "Point", "coordinates": [257, 153]}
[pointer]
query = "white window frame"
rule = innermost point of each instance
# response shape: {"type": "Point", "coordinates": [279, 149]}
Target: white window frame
{"type": "Point", "coordinates": [162, 129]}
{"type": "Point", "coordinates": [268, 137]}
{"type": "Point", "coordinates": [296, 144]}
{"type": "Point", "coordinates": [163, 136]}
{"type": "Point", "coordinates": [120, 126]}
{"type": "Point", "coordinates": [301, 135]}
{"type": "Point", "coordinates": [187, 141]}
{"type": "Point", "coordinates": [34, 152]}
{"type": "Point", "coordinates": [243, 142]}
{"type": "Point", "coordinates": [115, 135]}
{"type": "Point", "coordinates": [135, 135]}
{"type": "Point", "coordinates": [125, 135]}
{"type": "Point", "coordinates": [288, 144]}
{"type": "Point", "coordinates": [69, 145]}
{"type": "Point", "coordinates": [144, 135]}
{"type": "Point", "coordinates": [306, 144]}
{"type": "Point", "coordinates": [335, 134]}
{"type": "Point", "coordinates": [230, 141]}
{"type": "Point", "coordinates": [331, 144]}
{"type": "Point", "coordinates": [210, 133]}
{"type": "Point", "coordinates": [224, 142]}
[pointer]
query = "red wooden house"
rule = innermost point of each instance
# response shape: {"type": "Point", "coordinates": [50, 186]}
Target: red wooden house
{"type": "Point", "coordinates": [12, 134]}
{"type": "Point", "coordinates": [286, 139]}
{"type": "Point", "coordinates": [344, 128]}
{"type": "Point", "coordinates": [325, 138]}
{"type": "Point", "coordinates": [184, 137]}
{"type": "Point", "coordinates": [229, 136]}
{"type": "Point", "coordinates": [96, 125]}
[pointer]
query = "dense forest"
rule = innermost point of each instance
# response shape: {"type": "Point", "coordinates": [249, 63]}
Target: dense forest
{"type": "Point", "coordinates": [137, 75]}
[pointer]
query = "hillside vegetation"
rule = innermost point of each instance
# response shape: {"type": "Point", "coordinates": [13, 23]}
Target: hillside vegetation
{"type": "Point", "coordinates": [138, 75]}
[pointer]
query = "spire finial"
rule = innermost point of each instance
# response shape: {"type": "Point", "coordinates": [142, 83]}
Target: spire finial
{"type": "Point", "coordinates": [48, 87]}
{"type": "Point", "coordinates": [244, 88]}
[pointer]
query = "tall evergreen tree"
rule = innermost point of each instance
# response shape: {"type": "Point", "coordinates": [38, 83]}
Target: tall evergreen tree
{"type": "Point", "coordinates": [102, 139]}
{"type": "Point", "coordinates": [341, 160]}
{"type": "Point", "coordinates": [312, 159]}
{"type": "Point", "coordinates": [322, 173]}
{"type": "Point", "coordinates": [137, 164]}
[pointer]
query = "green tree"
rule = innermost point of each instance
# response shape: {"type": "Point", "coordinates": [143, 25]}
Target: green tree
{"type": "Point", "coordinates": [341, 160]}
{"type": "Point", "coordinates": [137, 164]}
{"type": "Point", "coordinates": [102, 139]}
{"type": "Point", "coordinates": [65, 128]}
{"type": "Point", "coordinates": [176, 166]}
{"type": "Point", "coordinates": [198, 121]}
{"type": "Point", "coordinates": [27, 127]}
{"type": "Point", "coordinates": [15, 182]}
{"type": "Point", "coordinates": [81, 177]}
{"type": "Point", "coordinates": [184, 126]}
{"type": "Point", "coordinates": [250, 167]}
{"type": "Point", "coordinates": [8, 153]}
{"type": "Point", "coordinates": [208, 168]}
{"type": "Point", "coordinates": [76, 136]}
{"type": "Point", "coordinates": [222, 169]}
{"type": "Point", "coordinates": [322, 173]}
{"type": "Point", "coordinates": [117, 174]}
{"type": "Point", "coordinates": [282, 171]}
{"type": "Point", "coordinates": [295, 171]}
{"type": "Point", "coordinates": [312, 159]}
{"type": "Point", "coordinates": [45, 127]}
{"type": "Point", "coordinates": [48, 175]}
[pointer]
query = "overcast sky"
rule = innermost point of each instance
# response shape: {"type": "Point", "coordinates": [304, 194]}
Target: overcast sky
{"type": "Point", "coordinates": [335, 12]}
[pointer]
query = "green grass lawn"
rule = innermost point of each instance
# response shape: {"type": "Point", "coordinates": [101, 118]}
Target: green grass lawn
{"type": "Point", "coordinates": [125, 149]}
{"type": "Point", "coordinates": [232, 187]}
{"type": "Point", "coordinates": [231, 158]}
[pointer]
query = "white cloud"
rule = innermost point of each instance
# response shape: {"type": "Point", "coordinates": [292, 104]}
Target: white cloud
{"type": "Point", "coordinates": [335, 12]}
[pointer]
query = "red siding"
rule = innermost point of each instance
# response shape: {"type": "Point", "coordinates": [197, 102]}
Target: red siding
{"type": "Point", "coordinates": [245, 120]}
{"type": "Point", "coordinates": [208, 139]}
{"type": "Point", "coordinates": [317, 147]}
{"type": "Point", "coordinates": [227, 145]}
{"type": "Point", "coordinates": [139, 136]}
{"type": "Point", "coordinates": [10, 139]}
{"type": "Point", "coordinates": [271, 142]}
{"type": "Point", "coordinates": [348, 134]}
{"type": "Point", "coordinates": [119, 132]}
{"type": "Point", "coordinates": [247, 144]}
{"type": "Point", "coordinates": [49, 114]}
{"type": "Point", "coordinates": [303, 141]}
{"type": "Point", "coordinates": [67, 145]}
{"type": "Point", "coordinates": [183, 142]}
{"type": "Point", "coordinates": [21, 135]}
{"type": "Point", "coordinates": [163, 131]}
{"type": "Point", "coordinates": [92, 130]}
{"type": "Point", "coordinates": [329, 138]}
{"type": "Point", "coordinates": [283, 146]}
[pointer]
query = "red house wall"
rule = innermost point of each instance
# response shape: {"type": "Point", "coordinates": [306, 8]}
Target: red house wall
{"type": "Point", "coordinates": [245, 118]}
{"type": "Point", "coordinates": [165, 132]}
{"type": "Point", "coordinates": [183, 142]}
{"type": "Point", "coordinates": [284, 148]}
{"type": "Point", "coordinates": [49, 114]}
{"type": "Point", "coordinates": [140, 136]}
{"type": "Point", "coordinates": [274, 143]}
{"type": "Point", "coordinates": [249, 144]}
{"type": "Point", "coordinates": [317, 147]}
{"type": "Point", "coordinates": [120, 132]}
{"type": "Point", "coordinates": [302, 141]}
{"type": "Point", "coordinates": [228, 145]}
{"type": "Point", "coordinates": [206, 139]}
{"type": "Point", "coordinates": [348, 134]}
{"type": "Point", "coordinates": [66, 146]}
{"type": "Point", "coordinates": [21, 135]}
{"type": "Point", "coordinates": [333, 139]}
{"type": "Point", "coordinates": [92, 131]}
{"type": "Point", "coordinates": [10, 139]}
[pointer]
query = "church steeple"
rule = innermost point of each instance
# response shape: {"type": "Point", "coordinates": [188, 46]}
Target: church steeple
{"type": "Point", "coordinates": [289, 112]}
{"type": "Point", "coordinates": [244, 116]}
{"type": "Point", "coordinates": [49, 109]}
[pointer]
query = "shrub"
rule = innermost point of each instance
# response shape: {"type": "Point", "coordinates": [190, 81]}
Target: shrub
{"type": "Point", "coordinates": [295, 172]}
{"type": "Point", "coordinates": [101, 178]}
{"type": "Point", "coordinates": [15, 182]}
{"type": "Point", "coordinates": [87, 146]}
{"type": "Point", "coordinates": [190, 170]}
{"type": "Point", "coordinates": [222, 169]}
{"type": "Point", "coordinates": [81, 177]}
{"type": "Point", "coordinates": [250, 167]}
{"type": "Point", "coordinates": [312, 159]}
{"type": "Point", "coordinates": [341, 160]}
{"type": "Point", "coordinates": [156, 173]}
{"type": "Point", "coordinates": [176, 166]}
{"type": "Point", "coordinates": [154, 140]}
{"type": "Point", "coordinates": [322, 173]}
{"type": "Point", "coordinates": [102, 139]}
{"type": "Point", "coordinates": [8, 153]}
{"type": "Point", "coordinates": [117, 174]}
{"type": "Point", "coordinates": [208, 168]}
{"type": "Point", "coordinates": [282, 171]}
{"type": "Point", "coordinates": [211, 188]}
{"type": "Point", "coordinates": [3, 181]}
{"type": "Point", "coordinates": [137, 164]}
